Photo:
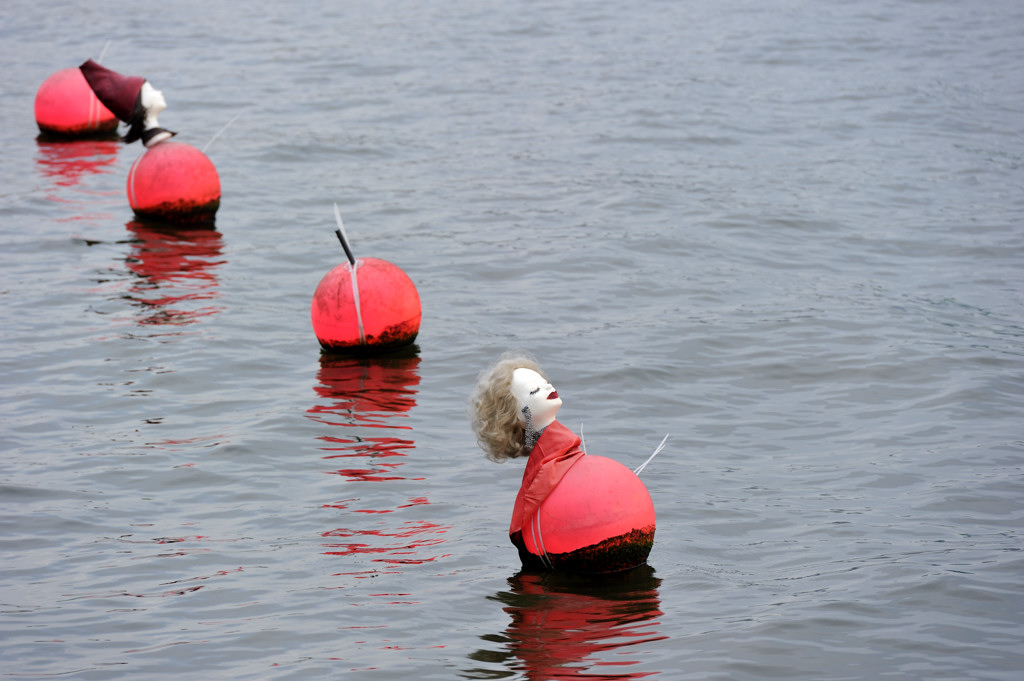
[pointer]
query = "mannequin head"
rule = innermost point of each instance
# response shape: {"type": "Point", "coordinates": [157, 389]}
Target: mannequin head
{"type": "Point", "coordinates": [535, 394]}
{"type": "Point", "coordinates": [133, 99]}
{"type": "Point", "coordinates": [143, 123]}
{"type": "Point", "coordinates": [502, 392]}
{"type": "Point", "coordinates": [152, 101]}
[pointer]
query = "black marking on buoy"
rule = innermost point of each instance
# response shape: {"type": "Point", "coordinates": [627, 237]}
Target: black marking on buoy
{"type": "Point", "coordinates": [344, 244]}
{"type": "Point", "coordinates": [340, 231]}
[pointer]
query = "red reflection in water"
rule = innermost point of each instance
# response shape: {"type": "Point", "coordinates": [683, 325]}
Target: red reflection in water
{"type": "Point", "coordinates": [366, 391]}
{"type": "Point", "coordinates": [173, 268]}
{"type": "Point", "coordinates": [399, 545]}
{"type": "Point", "coordinates": [364, 396]}
{"type": "Point", "coordinates": [566, 627]}
{"type": "Point", "coordinates": [68, 162]}
{"type": "Point", "coordinates": [67, 166]}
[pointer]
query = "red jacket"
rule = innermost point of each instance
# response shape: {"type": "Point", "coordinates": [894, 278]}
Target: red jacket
{"type": "Point", "coordinates": [557, 449]}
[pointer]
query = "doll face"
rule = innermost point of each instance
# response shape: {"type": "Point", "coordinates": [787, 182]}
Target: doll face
{"type": "Point", "coordinates": [532, 390]}
{"type": "Point", "coordinates": [152, 100]}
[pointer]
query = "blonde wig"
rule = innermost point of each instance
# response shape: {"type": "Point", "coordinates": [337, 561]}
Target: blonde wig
{"type": "Point", "coordinates": [493, 409]}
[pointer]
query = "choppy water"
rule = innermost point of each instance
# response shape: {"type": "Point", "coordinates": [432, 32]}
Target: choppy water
{"type": "Point", "coordinates": [789, 234]}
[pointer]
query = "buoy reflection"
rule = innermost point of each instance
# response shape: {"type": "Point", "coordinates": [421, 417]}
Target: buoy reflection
{"type": "Point", "coordinates": [67, 163]}
{"type": "Point", "coordinates": [369, 397]}
{"type": "Point", "coordinates": [175, 272]}
{"type": "Point", "coordinates": [366, 391]}
{"type": "Point", "coordinates": [569, 627]}
{"type": "Point", "coordinates": [67, 168]}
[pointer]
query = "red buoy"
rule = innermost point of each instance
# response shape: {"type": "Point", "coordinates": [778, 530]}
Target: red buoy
{"type": "Point", "coordinates": [600, 518]}
{"type": "Point", "coordinates": [67, 107]}
{"type": "Point", "coordinates": [377, 309]}
{"type": "Point", "coordinates": [174, 181]}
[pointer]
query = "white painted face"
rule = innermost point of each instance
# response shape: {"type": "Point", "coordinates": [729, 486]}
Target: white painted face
{"type": "Point", "coordinates": [533, 390]}
{"type": "Point", "coordinates": [152, 100]}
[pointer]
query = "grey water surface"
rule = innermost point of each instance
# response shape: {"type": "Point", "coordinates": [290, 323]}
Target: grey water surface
{"type": "Point", "coordinates": [790, 234]}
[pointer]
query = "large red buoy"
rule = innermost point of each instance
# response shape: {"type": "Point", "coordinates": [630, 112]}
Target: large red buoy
{"type": "Point", "coordinates": [370, 306]}
{"type": "Point", "coordinates": [67, 107]}
{"type": "Point", "coordinates": [600, 518]}
{"type": "Point", "coordinates": [174, 181]}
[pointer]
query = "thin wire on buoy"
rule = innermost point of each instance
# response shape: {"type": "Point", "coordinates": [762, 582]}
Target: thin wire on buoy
{"type": "Point", "coordinates": [539, 542]}
{"type": "Point", "coordinates": [343, 238]}
{"type": "Point", "coordinates": [217, 134]}
{"type": "Point", "coordinates": [100, 58]}
{"type": "Point", "coordinates": [660, 447]}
